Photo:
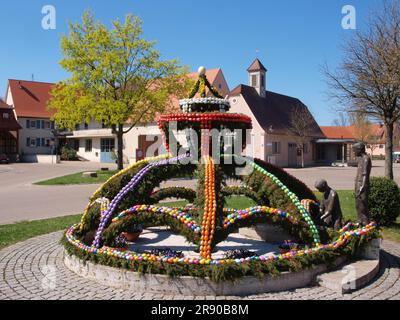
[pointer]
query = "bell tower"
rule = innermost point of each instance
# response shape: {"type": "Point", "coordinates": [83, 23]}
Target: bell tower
{"type": "Point", "coordinates": [257, 77]}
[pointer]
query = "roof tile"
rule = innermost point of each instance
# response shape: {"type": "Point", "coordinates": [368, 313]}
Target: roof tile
{"type": "Point", "coordinates": [274, 111]}
{"type": "Point", "coordinates": [30, 98]}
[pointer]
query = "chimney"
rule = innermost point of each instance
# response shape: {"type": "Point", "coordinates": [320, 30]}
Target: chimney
{"type": "Point", "coordinates": [257, 77]}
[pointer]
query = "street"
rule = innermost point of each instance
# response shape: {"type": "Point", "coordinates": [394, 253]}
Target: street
{"type": "Point", "coordinates": [21, 200]}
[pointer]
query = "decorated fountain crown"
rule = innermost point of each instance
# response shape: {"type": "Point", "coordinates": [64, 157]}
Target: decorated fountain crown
{"type": "Point", "coordinates": [204, 103]}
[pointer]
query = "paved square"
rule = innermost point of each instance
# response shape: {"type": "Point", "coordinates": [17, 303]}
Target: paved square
{"type": "Point", "coordinates": [34, 270]}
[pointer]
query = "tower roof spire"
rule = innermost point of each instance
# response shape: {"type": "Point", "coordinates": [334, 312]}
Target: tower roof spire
{"type": "Point", "coordinates": [256, 66]}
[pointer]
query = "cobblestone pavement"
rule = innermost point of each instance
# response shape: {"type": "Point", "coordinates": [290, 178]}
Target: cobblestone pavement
{"type": "Point", "coordinates": [34, 269]}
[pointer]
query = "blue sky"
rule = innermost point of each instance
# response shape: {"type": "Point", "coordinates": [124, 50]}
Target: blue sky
{"type": "Point", "coordinates": [294, 38]}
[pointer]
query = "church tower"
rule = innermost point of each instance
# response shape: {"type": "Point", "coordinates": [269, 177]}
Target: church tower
{"type": "Point", "coordinates": [257, 77]}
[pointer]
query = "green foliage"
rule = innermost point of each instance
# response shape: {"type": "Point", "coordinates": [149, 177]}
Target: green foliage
{"type": "Point", "coordinates": [116, 75]}
{"type": "Point", "coordinates": [77, 178]}
{"type": "Point", "coordinates": [247, 192]}
{"type": "Point", "coordinates": [173, 192]}
{"type": "Point", "coordinates": [20, 231]}
{"type": "Point", "coordinates": [229, 271]}
{"type": "Point", "coordinates": [294, 184]}
{"type": "Point", "coordinates": [68, 153]}
{"type": "Point", "coordinates": [200, 87]}
{"type": "Point", "coordinates": [384, 200]}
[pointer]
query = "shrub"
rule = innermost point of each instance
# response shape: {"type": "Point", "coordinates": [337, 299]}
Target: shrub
{"type": "Point", "coordinates": [384, 200]}
{"type": "Point", "coordinates": [68, 153]}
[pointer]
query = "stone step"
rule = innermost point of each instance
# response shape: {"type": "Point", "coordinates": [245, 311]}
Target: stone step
{"type": "Point", "coordinates": [89, 174]}
{"type": "Point", "coordinates": [350, 277]}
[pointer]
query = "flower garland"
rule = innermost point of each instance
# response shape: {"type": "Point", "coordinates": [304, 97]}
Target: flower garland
{"type": "Point", "coordinates": [183, 216]}
{"type": "Point", "coordinates": [295, 200]}
{"type": "Point", "coordinates": [204, 105]}
{"type": "Point", "coordinates": [206, 121]}
{"type": "Point", "coordinates": [200, 87]}
{"type": "Point", "coordinates": [109, 180]}
{"type": "Point", "coordinates": [132, 256]}
{"type": "Point", "coordinates": [203, 117]}
{"type": "Point", "coordinates": [131, 185]}
{"type": "Point", "coordinates": [176, 213]}
{"type": "Point", "coordinates": [249, 212]}
{"type": "Point", "coordinates": [104, 204]}
{"type": "Point", "coordinates": [306, 203]}
{"type": "Point", "coordinates": [210, 208]}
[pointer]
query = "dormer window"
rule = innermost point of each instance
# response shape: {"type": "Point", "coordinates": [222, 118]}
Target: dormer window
{"type": "Point", "coordinates": [6, 115]}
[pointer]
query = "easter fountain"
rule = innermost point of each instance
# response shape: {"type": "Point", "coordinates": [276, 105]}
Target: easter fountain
{"type": "Point", "coordinates": [95, 250]}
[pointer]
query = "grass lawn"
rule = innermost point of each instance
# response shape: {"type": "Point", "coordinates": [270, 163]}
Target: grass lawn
{"type": "Point", "coordinates": [76, 178]}
{"type": "Point", "coordinates": [20, 231]}
{"type": "Point", "coordinates": [12, 233]}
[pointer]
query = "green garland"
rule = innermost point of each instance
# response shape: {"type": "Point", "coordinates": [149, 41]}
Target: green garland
{"type": "Point", "coordinates": [228, 272]}
{"type": "Point", "coordinates": [173, 192]}
{"type": "Point", "coordinates": [200, 87]}
{"type": "Point", "coordinates": [247, 192]}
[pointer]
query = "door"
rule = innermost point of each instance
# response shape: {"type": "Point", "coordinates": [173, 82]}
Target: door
{"type": "Point", "coordinates": [107, 147]}
{"type": "Point", "coordinates": [292, 155]}
{"type": "Point", "coordinates": [144, 143]}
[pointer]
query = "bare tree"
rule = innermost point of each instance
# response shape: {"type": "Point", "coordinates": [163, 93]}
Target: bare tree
{"type": "Point", "coordinates": [363, 129]}
{"type": "Point", "coordinates": [342, 120]}
{"type": "Point", "coordinates": [301, 128]}
{"type": "Point", "coordinates": [368, 79]}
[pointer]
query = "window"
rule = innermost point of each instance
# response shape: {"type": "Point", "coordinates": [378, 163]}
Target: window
{"type": "Point", "coordinates": [32, 123]}
{"type": "Point", "coordinates": [88, 145]}
{"type": "Point", "coordinates": [42, 124]}
{"type": "Point", "coordinates": [43, 142]}
{"type": "Point", "coordinates": [381, 146]}
{"type": "Point", "coordinates": [47, 142]}
{"type": "Point", "coordinates": [254, 80]}
{"type": "Point", "coordinates": [28, 141]}
{"type": "Point", "coordinates": [52, 125]}
{"type": "Point", "coordinates": [28, 123]}
{"type": "Point", "coordinates": [305, 148]}
{"type": "Point", "coordinates": [76, 144]}
{"type": "Point", "coordinates": [276, 147]}
{"type": "Point", "coordinates": [107, 145]}
{"type": "Point", "coordinates": [38, 124]}
{"type": "Point", "coordinates": [219, 86]}
{"type": "Point", "coordinates": [33, 143]}
{"type": "Point", "coordinates": [47, 125]}
{"type": "Point", "coordinates": [6, 115]}
{"type": "Point", "coordinates": [37, 142]}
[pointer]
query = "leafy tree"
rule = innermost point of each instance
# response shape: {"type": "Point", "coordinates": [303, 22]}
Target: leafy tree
{"type": "Point", "coordinates": [117, 77]}
{"type": "Point", "coordinates": [367, 81]}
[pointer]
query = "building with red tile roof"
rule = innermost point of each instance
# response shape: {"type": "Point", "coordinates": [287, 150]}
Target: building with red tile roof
{"type": "Point", "coordinates": [9, 131]}
{"type": "Point", "coordinates": [272, 114]}
{"type": "Point", "coordinates": [30, 98]}
{"type": "Point", "coordinates": [29, 101]}
{"type": "Point", "coordinates": [336, 146]}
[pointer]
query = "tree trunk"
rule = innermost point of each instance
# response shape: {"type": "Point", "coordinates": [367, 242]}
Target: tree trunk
{"type": "Point", "coordinates": [389, 151]}
{"type": "Point", "coordinates": [120, 147]}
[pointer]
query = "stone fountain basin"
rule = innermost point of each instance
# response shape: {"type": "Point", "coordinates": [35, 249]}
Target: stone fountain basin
{"type": "Point", "coordinates": [191, 286]}
{"type": "Point", "coordinates": [161, 237]}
